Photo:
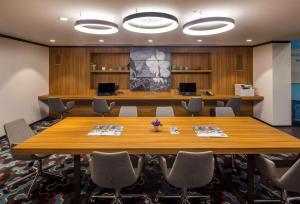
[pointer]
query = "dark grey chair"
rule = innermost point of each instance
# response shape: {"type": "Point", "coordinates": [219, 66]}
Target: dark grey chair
{"type": "Point", "coordinates": [224, 112]}
{"type": "Point", "coordinates": [190, 170]}
{"type": "Point", "coordinates": [194, 106]}
{"type": "Point", "coordinates": [114, 171]}
{"type": "Point", "coordinates": [101, 106]}
{"type": "Point", "coordinates": [287, 181]}
{"type": "Point", "coordinates": [128, 111]}
{"type": "Point", "coordinates": [164, 111]}
{"type": "Point", "coordinates": [234, 103]}
{"type": "Point", "coordinates": [18, 131]}
{"type": "Point", "coordinates": [56, 105]}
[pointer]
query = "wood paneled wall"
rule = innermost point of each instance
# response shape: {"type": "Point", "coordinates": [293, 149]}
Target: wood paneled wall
{"type": "Point", "coordinates": [70, 68]}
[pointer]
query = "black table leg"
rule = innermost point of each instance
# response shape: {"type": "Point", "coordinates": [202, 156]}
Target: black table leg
{"type": "Point", "coordinates": [250, 178]}
{"type": "Point", "coordinates": [77, 179]}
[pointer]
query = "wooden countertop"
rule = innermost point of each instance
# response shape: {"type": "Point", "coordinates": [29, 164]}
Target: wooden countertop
{"type": "Point", "coordinates": [246, 136]}
{"type": "Point", "coordinates": [145, 96]}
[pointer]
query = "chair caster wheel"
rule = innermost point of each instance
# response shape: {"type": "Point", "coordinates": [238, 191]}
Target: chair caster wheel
{"type": "Point", "coordinates": [148, 201]}
{"type": "Point", "coordinates": [6, 190]}
{"type": "Point", "coordinates": [92, 200]}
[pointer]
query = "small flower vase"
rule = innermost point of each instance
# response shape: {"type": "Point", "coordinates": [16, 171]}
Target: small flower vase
{"type": "Point", "coordinates": [156, 128]}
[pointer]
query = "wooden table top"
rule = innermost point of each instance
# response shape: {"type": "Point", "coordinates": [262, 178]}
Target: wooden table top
{"type": "Point", "coordinates": [146, 95]}
{"type": "Point", "coordinates": [246, 135]}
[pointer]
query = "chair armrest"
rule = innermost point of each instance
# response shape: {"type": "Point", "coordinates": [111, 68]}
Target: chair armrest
{"type": "Point", "coordinates": [184, 105]}
{"type": "Point", "coordinates": [70, 105]}
{"type": "Point", "coordinates": [163, 166]}
{"type": "Point", "coordinates": [220, 104]}
{"type": "Point", "coordinates": [112, 105]}
{"type": "Point", "coordinates": [140, 166]}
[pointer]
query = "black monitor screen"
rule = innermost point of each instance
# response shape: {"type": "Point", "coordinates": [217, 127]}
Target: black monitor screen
{"type": "Point", "coordinates": [187, 88]}
{"type": "Point", "coordinates": [106, 88]}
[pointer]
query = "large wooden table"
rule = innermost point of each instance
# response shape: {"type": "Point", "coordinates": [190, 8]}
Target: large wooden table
{"type": "Point", "coordinates": [246, 136]}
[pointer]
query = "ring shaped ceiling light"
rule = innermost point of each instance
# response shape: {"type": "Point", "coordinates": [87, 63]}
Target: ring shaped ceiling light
{"type": "Point", "coordinates": [150, 22]}
{"type": "Point", "coordinates": [208, 26]}
{"type": "Point", "coordinates": [93, 26]}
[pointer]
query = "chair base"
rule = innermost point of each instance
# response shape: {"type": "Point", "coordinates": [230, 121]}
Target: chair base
{"type": "Point", "coordinates": [117, 198]}
{"type": "Point", "coordinates": [184, 199]}
{"type": "Point", "coordinates": [37, 172]}
{"type": "Point", "coordinates": [278, 198]}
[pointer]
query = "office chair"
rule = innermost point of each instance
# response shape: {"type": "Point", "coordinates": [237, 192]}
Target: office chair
{"type": "Point", "coordinates": [164, 111]}
{"type": "Point", "coordinates": [224, 112]}
{"type": "Point", "coordinates": [101, 106]}
{"type": "Point", "coordinates": [288, 182]}
{"type": "Point", "coordinates": [18, 131]}
{"type": "Point", "coordinates": [128, 111]}
{"type": "Point", "coordinates": [234, 103]}
{"type": "Point", "coordinates": [190, 170]}
{"type": "Point", "coordinates": [56, 105]}
{"type": "Point", "coordinates": [114, 171]}
{"type": "Point", "coordinates": [194, 106]}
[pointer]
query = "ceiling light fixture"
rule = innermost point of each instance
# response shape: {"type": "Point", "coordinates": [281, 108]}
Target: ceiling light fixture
{"type": "Point", "coordinates": [101, 40]}
{"type": "Point", "coordinates": [63, 18]}
{"type": "Point", "coordinates": [208, 26]}
{"type": "Point", "coordinates": [150, 22]}
{"type": "Point", "coordinates": [52, 40]}
{"type": "Point", "coordinates": [249, 40]}
{"type": "Point", "coordinates": [150, 41]}
{"type": "Point", "coordinates": [199, 40]}
{"type": "Point", "coordinates": [93, 26]}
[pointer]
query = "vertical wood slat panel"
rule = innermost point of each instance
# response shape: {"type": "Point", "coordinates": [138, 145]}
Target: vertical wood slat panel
{"type": "Point", "coordinates": [72, 76]}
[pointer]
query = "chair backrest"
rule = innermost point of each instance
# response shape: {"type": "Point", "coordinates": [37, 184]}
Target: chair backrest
{"type": "Point", "coordinates": [235, 104]}
{"type": "Point", "coordinates": [17, 131]}
{"type": "Point", "coordinates": [290, 180]}
{"type": "Point", "coordinates": [195, 105]}
{"type": "Point", "coordinates": [164, 111]}
{"type": "Point", "coordinates": [56, 105]}
{"type": "Point", "coordinates": [192, 169]}
{"type": "Point", "coordinates": [224, 112]}
{"type": "Point", "coordinates": [100, 106]}
{"type": "Point", "coordinates": [112, 170]}
{"type": "Point", "coordinates": [128, 111]}
{"type": "Point", "coordinates": [267, 169]}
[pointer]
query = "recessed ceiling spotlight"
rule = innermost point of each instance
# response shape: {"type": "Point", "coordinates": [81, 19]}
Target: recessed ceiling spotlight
{"type": "Point", "coordinates": [208, 26]}
{"type": "Point", "coordinates": [52, 40]}
{"type": "Point", "coordinates": [63, 18]}
{"type": "Point", "coordinates": [199, 40]}
{"type": "Point", "coordinates": [150, 41]}
{"type": "Point", "coordinates": [249, 40]}
{"type": "Point", "coordinates": [93, 26]}
{"type": "Point", "coordinates": [150, 22]}
{"type": "Point", "coordinates": [101, 40]}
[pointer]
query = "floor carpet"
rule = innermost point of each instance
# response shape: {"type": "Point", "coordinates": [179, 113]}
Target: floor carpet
{"type": "Point", "coordinates": [222, 190]}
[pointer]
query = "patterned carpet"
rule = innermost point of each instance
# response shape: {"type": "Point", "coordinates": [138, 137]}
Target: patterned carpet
{"type": "Point", "coordinates": [151, 182]}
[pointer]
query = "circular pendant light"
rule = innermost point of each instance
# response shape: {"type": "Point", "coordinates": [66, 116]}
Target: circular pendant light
{"type": "Point", "coordinates": [94, 26]}
{"type": "Point", "coordinates": [208, 26]}
{"type": "Point", "coordinates": [150, 22]}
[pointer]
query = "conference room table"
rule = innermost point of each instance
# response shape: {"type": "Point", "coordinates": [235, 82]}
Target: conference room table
{"type": "Point", "coordinates": [245, 136]}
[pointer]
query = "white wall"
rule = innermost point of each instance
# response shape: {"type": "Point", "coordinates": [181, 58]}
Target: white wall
{"type": "Point", "coordinates": [24, 75]}
{"type": "Point", "coordinates": [272, 79]}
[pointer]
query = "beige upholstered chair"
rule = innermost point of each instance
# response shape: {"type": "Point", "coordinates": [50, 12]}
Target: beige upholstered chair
{"type": "Point", "coordinates": [128, 111]}
{"type": "Point", "coordinates": [164, 111]}
{"type": "Point", "coordinates": [114, 171]}
{"type": "Point", "coordinates": [194, 106]}
{"type": "Point", "coordinates": [100, 106]}
{"type": "Point", "coordinates": [18, 131]}
{"type": "Point", "coordinates": [234, 103]}
{"type": "Point", "coordinates": [190, 170]}
{"type": "Point", "coordinates": [287, 182]}
{"type": "Point", "coordinates": [56, 105]}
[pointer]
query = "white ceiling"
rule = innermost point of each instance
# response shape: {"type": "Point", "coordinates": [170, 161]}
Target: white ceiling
{"type": "Point", "coordinates": [260, 20]}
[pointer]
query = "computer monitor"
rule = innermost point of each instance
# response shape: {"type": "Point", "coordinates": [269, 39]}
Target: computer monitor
{"type": "Point", "coordinates": [106, 89]}
{"type": "Point", "coordinates": [187, 88]}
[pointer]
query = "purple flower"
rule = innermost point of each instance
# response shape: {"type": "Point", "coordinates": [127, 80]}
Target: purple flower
{"type": "Point", "coordinates": [156, 123]}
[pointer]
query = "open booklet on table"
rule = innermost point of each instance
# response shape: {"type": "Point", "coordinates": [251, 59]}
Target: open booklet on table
{"type": "Point", "coordinates": [106, 130]}
{"type": "Point", "coordinates": [209, 131]}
